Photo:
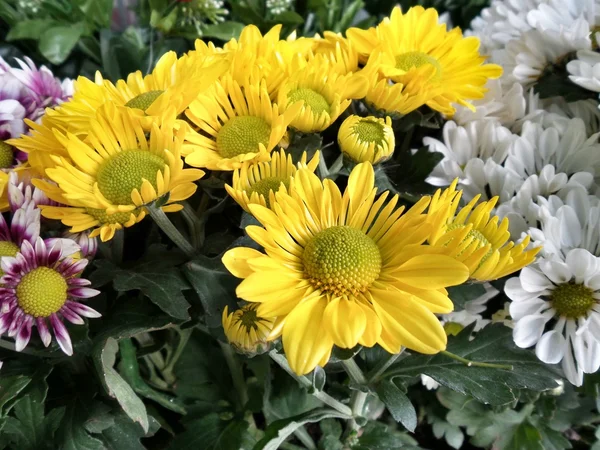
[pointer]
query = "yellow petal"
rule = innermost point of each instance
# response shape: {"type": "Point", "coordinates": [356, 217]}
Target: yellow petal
{"type": "Point", "coordinates": [236, 260]}
{"type": "Point", "coordinates": [345, 321]}
{"type": "Point", "coordinates": [431, 272]}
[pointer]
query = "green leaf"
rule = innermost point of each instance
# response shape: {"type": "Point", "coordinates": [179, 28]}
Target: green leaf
{"type": "Point", "coordinates": [73, 435]}
{"type": "Point", "coordinates": [116, 386]}
{"type": "Point", "coordinates": [99, 418]}
{"type": "Point", "coordinates": [494, 345]}
{"type": "Point", "coordinates": [278, 431]}
{"type": "Point", "coordinates": [213, 433]}
{"type": "Point", "coordinates": [56, 43]}
{"type": "Point", "coordinates": [291, 18]}
{"type": "Point", "coordinates": [398, 404]}
{"type": "Point", "coordinates": [525, 437]}
{"type": "Point", "coordinates": [379, 436]}
{"type": "Point", "coordinates": [125, 434]}
{"type": "Point", "coordinates": [10, 387]}
{"type": "Point", "coordinates": [98, 11]}
{"type": "Point", "coordinates": [223, 31]}
{"type": "Point", "coordinates": [29, 29]}
{"type": "Point", "coordinates": [215, 286]}
{"type": "Point", "coordinates": [464, 293]}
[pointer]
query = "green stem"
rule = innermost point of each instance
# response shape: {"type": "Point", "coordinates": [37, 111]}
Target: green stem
{"type": "Point", "coordinates": [305, 382]}
{"type": "Point", "coordinates": [193, 223]}
{"type": "Point", "coordinates": [337, 165]}
{"type": "Point", "coordinates": [323, 168]}
{"type": "Point", "coordinates": [470, 363]}
{"type": "Point", "coordinates": [184, 337]}
{"type": "Point", "coordinates": [354, 372]}
{"type": "Point", "coordinates": [374, 374]}
{"type": "Point", "coordinates": [305, 438]}
{"type": "Point", "coordinates": [237, 374]}
{"type": "Point", "coordinates": [167, 226]}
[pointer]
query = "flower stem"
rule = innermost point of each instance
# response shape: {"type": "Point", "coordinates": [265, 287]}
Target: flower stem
{"type": "Point", "coordinates": [337, 165]}
{"type": "Point", "coordinates": [167, 226]}
{"type": "Point", "coordinates": [237, 373]}
{"type": "Point", "coordinates": [305, 438]}
{"type": "Point", "coordinates": [305, 382]}
{"type": "Point", "coordinates": [184, 336]}
{"type": "Point", "coordinates": [374, 374]}
{"type": "Point", "coordinates": [193, 223]}
{"type": "Point", "coordinates": [470, 363]}
{"type": "Point", "coordinates": [354, 372]}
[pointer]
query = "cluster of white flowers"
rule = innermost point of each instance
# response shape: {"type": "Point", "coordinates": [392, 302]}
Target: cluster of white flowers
{"type": "Point", "coordinates": [534, 141]}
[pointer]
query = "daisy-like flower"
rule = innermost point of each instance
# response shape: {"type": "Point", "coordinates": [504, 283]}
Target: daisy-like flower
{"type": "Point", "coordinates": [488, 179]}
{"type": "Point", "coordinates": [24, 226]}
{"type": "Point", "coordinates": [367, 139]}
{"type": "Point", "coordinates": [257, 183]}
{"type": "Point", "coordinates": [415, 48]}
{"type": "Point", "coordinates": [474, 237]}
{"type": "Point", "coordinates": [338, 50]}
{"type": "Point", "coordinates": [116, 172]}
{"type": "Point", "coordinates": [22, 192]}
{"type": "Point", "coordinates": [486, 140]}
{"type": "Point", "coordinates": [344, 269]}
{"type": "Point", "coordinates": [561, 14]}
{"type": "Point", "coordinates": [246, 331]}
{"type": "Point", "coordinates": [173, 83]}
{"type": "Point", "coordinates": [40, 285]}
{"type": "Point", "coordinates": [234, 124]}
{"type": "Point", "coordinates": [14, 107]}
{"type": "Point", "coordinates": [323, 93]}
{"type": "Point", "coordinates": [585, 70]}
{"type": "Point", "coordinates": [555, 307]}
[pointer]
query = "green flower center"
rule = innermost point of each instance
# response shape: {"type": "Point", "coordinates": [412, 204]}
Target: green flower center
{"type": "Point", "coordinates": [7, 248]}
{"type": "Point", "coordinates": [119, 175]}
{"type": "Point", "coordinates": [572, 300]}
{"type": "Point", "coordinates": [342, 260]}
{"type": "Point", "coordinates": [477, 236]}
{"type": "Point", "coordinates": [7, 155]}
{"type": "Point", "coordinates": [266, 185]}
{"type": "Point", "coordinates": [408, 60]}
{"type": "Point", "coordinates": [143, 101]}
{"type": "Point", "coordinates": [42, 292]}
{"type": "Point", "coordinates": [369, 130]}
{"type": "Point", "coordinates": [242, 134]}
{"type": "Point", "coordinates": [316, 101]}
{"type": "Point", "coordinates": [101, 216]}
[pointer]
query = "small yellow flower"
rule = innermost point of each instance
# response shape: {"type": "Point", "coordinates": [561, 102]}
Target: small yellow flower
{"type": "Point", "coordinates": [323, 93]}
{"type": "Point", "coordinates": [474, 238]}
{"type": "Point", "coordinates": [246, 331]}
{"type": "Point", "coordinates": [367, 139]}
{"type": "Point", "coordinates": [338, 50]}
{"type": "Point", "coordinates": [110, 177]}
{"type": "Point", "coordinates": [257, 183]}
{"type": "Point", "coordinates": [234, 124]}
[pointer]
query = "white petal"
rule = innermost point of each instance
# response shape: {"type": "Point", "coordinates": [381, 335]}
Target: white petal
{"type": "Point", "coordinates": [532, 280]}
{"type": "Point", "coordinates": [551, 347]}
{"type": "Point", "coordinates": [528, 330]}
{"type": "Point", "coordinates": [582, 264]}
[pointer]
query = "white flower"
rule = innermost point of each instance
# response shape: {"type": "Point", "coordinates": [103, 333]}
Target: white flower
{"type": "Point", "coordinates": [502, 21]}
{"type": "Point", "coordinates": [555, 306]}
{"type": "Point", "coordinates": [585, 70]}
{"type": "Point", "coordinates": [488, 179]}
{"type": "Point", "coordinates": [499, 104]}
{"type": "Point", "coordinates": [561, 14]}
{"type": "Point", "coordinates": [525, 59]}
{"type": "Point", "coordinates": [480, 139]}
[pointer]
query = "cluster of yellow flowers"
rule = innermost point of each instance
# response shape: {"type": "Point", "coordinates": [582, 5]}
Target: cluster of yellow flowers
{"type": "Point", "coordinates": [337, 268]}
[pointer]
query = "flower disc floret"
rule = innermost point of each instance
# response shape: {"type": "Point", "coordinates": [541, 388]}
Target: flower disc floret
{"type": "Point", "coordinates": [42, 292]}
{"type": "Point", "coordinates": [572, 300]}
{"type": "Point", "coordinates": [242, 134]}
{"type": "Point", "coordinates": [6, 155]}
{"type": "Point", "coordinates": [315, 100]}
{"type": "Point", "coordinates": [408, 60]}
{"type": "Point", "coordinates": [143, 101]}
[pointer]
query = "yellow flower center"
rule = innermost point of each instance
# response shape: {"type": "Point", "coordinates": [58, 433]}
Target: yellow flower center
{"type": "Point", "coordinates": [572, 300]}
{"type": "Point", "coordinates": [101, 216]}
{"type": "Point", "coordinates": [342, 260]}
{"type": "Point", "coordinates": [42, 292]}
{"type": "Point", "coordinates": [266, 185]}
{"type": "Point", "coordinates": [477, 236]}
{"type": "Point", "coordinates": [369, 130]}
{"type": "Point", "coordinates": [125, 171]}
{"type": "Point", "coordinates": [143, 101]}
{"type": "Point", "coordinates": [242, 134]}
{"type": "Point", "coordinates": [408, 60]}
{"type": "Point", "coordinates": [6, 155]}
{"type": "Point", "coordinates": [7, 248]}
{"type": "Point", "coordinates": [316, 101]}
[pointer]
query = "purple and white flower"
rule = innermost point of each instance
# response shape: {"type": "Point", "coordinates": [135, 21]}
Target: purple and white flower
{"type": "Point", "coordinates": [42, 287]}
{"type": "Point", "coordinates": [22, 192]}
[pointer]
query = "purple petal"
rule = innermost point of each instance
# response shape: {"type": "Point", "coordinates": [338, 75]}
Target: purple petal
{"type": "Point", "coordinates": [62, 335]}
{"type": "Point", "coordinates": [17, 320]}
{"type": "Point", "coordinates": [82, 310]}
{"type": "Point", "coordinates": [71, 316]}
{"type": "Point", "coordinates": [43, 331]}
{"type": "Point", "coordinates": [10, 265]}
{"type": "Point", "coordinates": [54, 253]}
{"type": "Point", "coordinates": [83, 292]}
{"type": "Point", "coordinates": [74, 268]}
{"type": "Point", "coordinates": [5, 321]}
{"type": "Point", "coordinates": [78, 282]}
{"type": "Point", "coordinates": [24, 334]}
{"type": "Point", "coordinates": [40, 253]}
{"type": "Point", "coordinates": [4, 231]}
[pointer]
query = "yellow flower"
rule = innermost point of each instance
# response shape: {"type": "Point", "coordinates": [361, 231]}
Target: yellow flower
{"type": "Point", "coordinates": [112, 175]}
{"type": "Point", "coordinates": [366, 139]}
{"type": "Point", "coordinates": [246, 331]}
{"type": "Point", "coordinates": [235, 124]}
{"type": "Point", "coordinates": [4, 205]}
{"type": "Point", "coordinates": [344, 269]}
{"type": "Point", "coordinates": [414, 47]}
{"type": "Point", "coordinates": [325, 94]}
{"type": "Point", "coordinates": [258, 182]}
{"type": "Point", "coordinates": [473, 237]}
{"type": "Point", "coordinates": [173, 83]}
{"type": "Point", "coordinates": [338, 50]}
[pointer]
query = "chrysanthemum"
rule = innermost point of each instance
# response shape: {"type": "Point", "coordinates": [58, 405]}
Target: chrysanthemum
{"type": "Point", "coordinates": [234, 124]}
{"type": "Point", "coordinates": [344, 269]}
{"type": "Point", "coordinates": [21, 191]}
{"type": "Point", "coordinates": [585, 70]}
{"type": "Point", "coordinates": [173, 83]}
{"type": "Point", "coordinates": [555, 307]}
{"type": "Point", "coordinates": [338, 50]}
{"type": "Point", "coordinates": [475, 238]}
{"type": "Point", "coordinates": [116, 172]}
{"type": "Point", "coordinates": [24, 226]}
{"type": "Point", "coordinates": [257, 183]}
{"type": "Point", "coordinates": [414, 47]}
{"type": "Point", "coordinates": [40, 285]}
{"type": "Point", "coordinates": [246, 331]}
{"type": "Point", "coordinates": [367, 139]}
{"type": "Point", "coordinates": [324, 94]}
